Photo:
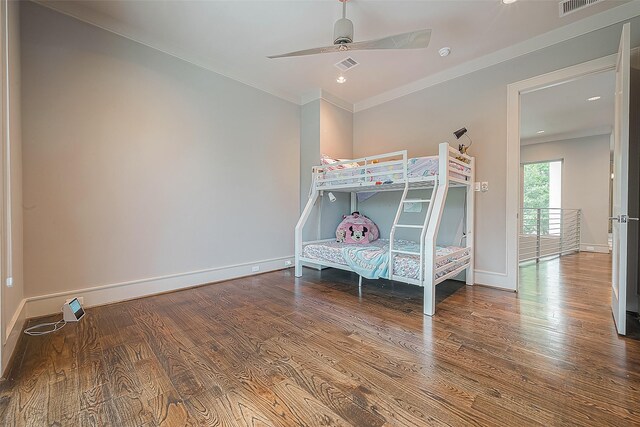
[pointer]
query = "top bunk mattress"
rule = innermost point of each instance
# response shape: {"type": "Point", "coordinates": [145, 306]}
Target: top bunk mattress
{"type": "Point", "coordinates": [417, 167]}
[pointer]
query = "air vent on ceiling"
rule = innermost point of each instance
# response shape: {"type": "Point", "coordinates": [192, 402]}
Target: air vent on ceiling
{"type": "Point", "coordinates": [570, 6]}
{"type": "Point", "coordinates": [346, 64]}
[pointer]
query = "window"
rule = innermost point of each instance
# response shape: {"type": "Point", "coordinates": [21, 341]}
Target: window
{"type": "Point", "coordinates": [542, 191]}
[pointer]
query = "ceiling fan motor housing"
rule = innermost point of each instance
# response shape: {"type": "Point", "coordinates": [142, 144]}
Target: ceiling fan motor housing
{"type": "Point", "coordinates": [343, 31]}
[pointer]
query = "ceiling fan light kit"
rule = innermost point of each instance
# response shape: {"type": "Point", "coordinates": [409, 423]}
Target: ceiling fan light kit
{"type": "Point", "coordinates": [343, 28]}
{"type": "Point", "coordinates": [343, 40]}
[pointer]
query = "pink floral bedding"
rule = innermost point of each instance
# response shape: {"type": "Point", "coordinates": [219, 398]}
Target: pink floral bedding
{"type": "Point", "coordinates": [403, 264]}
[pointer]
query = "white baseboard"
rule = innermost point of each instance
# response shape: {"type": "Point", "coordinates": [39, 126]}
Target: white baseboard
{"type": "Point", "coordinates": [99, 295]}
{"type": "Point", "coordinates": [493, 279]}
{"type": "Point", "coordinates": [12, 333]}
{"type": "Point", "coordinates": [594, 247]}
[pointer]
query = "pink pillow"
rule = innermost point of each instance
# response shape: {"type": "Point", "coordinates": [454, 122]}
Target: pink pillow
{"type": "Point", "coordinates": [356, 228]}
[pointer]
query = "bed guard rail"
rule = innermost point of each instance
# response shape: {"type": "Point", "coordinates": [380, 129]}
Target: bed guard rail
{"type": "Point", "coordinates": [362, 171]}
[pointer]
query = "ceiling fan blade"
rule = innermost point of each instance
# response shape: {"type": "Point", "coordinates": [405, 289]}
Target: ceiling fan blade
{"type": "Point", "coordinates": [413, 40]}
{"type": "Point", "coordinates": [314, 51]}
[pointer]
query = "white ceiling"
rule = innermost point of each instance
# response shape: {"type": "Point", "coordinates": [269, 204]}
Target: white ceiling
{"type": "Point", "coordinates": [233, 38]}
{"type": "Point", "coordinates": [563, 111]}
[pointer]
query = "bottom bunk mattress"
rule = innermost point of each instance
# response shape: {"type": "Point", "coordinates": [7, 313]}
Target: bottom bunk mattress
{"type": "Point", "coordinates": [404, 265]}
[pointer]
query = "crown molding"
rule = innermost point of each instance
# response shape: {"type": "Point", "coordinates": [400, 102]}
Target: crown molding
{"type": "Point", "coordinates": [311, 96]}
{"type": "Point", "coordinates": [592, 23]}
{"type": "Point", "coordinates": [338, 102]}
{"type": "Point", "coordinates": [327, 96]}
{"type": "Point", "coordinates": [111, 25]}
{"type": "Point", "coordinates": [567, 136]}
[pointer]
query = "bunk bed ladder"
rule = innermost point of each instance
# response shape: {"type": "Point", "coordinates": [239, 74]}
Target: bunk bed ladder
{"type": "Point", "coordinates": [423, 229]}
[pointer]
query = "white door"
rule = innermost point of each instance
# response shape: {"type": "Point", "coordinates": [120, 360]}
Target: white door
{"type": "Point", "coordinates": [620, 183]}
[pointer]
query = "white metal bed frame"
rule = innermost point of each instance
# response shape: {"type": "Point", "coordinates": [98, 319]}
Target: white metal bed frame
{"type": "Point", "coordinates": [355, 179]}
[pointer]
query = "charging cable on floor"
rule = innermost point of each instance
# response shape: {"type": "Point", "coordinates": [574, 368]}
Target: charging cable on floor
{"type": "Point", "coordinates": [72, 311]}
{"type": "Point", "coordinates": [35, 332]}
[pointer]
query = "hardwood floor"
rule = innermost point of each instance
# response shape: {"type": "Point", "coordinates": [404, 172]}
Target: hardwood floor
{"type": "Point", "coordinates": [273, 350]}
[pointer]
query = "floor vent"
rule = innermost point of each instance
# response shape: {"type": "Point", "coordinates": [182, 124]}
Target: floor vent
{"type": "Point", "coordinates": [346, 64]}
{"type": "Point", "coordinates": [570, 6]}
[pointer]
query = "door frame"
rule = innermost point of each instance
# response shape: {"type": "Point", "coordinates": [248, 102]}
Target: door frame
{"type": "Point", "coordinates": [514, 92]}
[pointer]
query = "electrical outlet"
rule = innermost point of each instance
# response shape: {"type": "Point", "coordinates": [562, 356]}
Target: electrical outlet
{"type": "Point", "coordinates": [484, 187]}
{"type": "Point", "coordinates": [590, 248]}
{"type": "Point", "coordinates": [287, 263]}
{"type": "Point", "coordinates": [255, 268]}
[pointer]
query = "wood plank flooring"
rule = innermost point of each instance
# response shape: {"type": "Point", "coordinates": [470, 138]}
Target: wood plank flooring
{"type": "Point", "coordinates": [272, 350]}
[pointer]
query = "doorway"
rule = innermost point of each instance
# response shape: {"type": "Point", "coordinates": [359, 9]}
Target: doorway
{"type": "Point", "coordinates": [624, 290]}
{"type": "Point", "coordinates": [565, 161]}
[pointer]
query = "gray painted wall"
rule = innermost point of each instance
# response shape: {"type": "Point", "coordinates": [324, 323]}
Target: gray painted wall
{"type": "Point", "coordinates": [382, 207]}
{"type": "Point", "coordinates": [336, 140]}
{"type": "Point", "coordinates": [585, 181]}
{"type": "Point", "coordinates": [324, 129]}
{"type": "Point", "coordinates": [137, 164]}
{"type": "Point", "coordinates": [309, 146]}
{"type": "Point", "coordinates": [421, 120]}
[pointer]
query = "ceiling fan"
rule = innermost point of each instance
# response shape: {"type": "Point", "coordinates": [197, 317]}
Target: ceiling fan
{"type": "Point", "coordinates": [343, 39]}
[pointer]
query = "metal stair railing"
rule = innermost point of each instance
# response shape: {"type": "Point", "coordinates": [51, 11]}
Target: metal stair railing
{"type": "Point", "coordinates": [547, 232]}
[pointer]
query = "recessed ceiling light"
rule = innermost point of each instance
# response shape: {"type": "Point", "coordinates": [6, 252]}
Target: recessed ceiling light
{"type": "Point", "coordinates": [509, 1]}
{"type": "Point", "coordinates": [594, 98]}
{"type": "Point", "coordinates": [341, 79]}
{"type": "Point", "coordinates": [445, 51]}
{"type": "Point", "coordinates": [540, 131]}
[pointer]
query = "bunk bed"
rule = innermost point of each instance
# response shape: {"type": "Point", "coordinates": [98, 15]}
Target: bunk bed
{"type": "Point", "coordinates": [420, 262]}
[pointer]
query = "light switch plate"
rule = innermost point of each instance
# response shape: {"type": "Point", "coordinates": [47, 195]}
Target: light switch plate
{"type": "Point", "coordinates": [476, 186]}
